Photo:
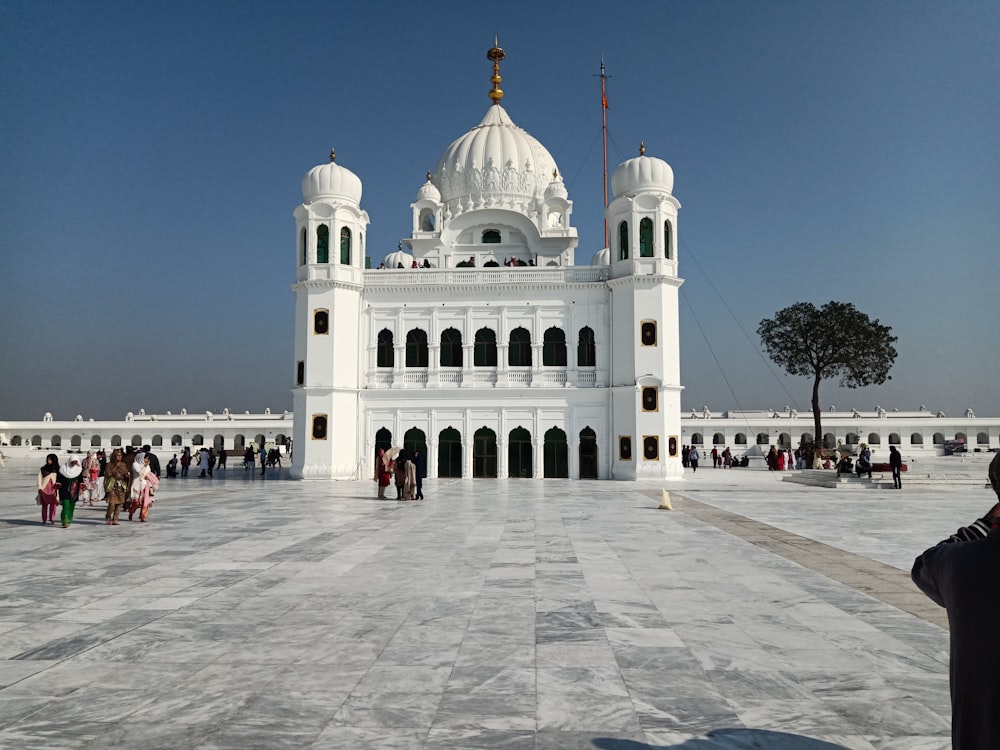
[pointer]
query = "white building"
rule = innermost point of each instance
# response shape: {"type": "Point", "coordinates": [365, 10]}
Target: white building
{"type": "Point", "coordinates": [545, 368]}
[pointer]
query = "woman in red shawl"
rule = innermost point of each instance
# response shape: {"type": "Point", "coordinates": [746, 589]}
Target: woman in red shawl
{"type": "Point", "coordinates": [381, 471]}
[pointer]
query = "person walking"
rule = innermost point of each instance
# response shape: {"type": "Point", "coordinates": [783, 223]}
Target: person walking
{"type": "Point", "coordinates": [89, 486]}
{"type": "Point", "coordinates": [693, 458]}
{"type": "Point", "coordinates": [381, 471]}
{"type": "Point", "coordinates": [420, 466]}
{"type": "Point", "coordinates": [896, 464]}
{"type": "Point", "coordinates": [263, 459]}
{"type": "Point", "coordinates": [185, 462]}
{"type": "Point", "coordinates": [715, 457]}
{"type": "Point", "coordinates": [48, 488]}
{"type": "Point", "coordinates": [959, 574]}
{"type": "Point", "coordinates": [117, 476]}
{"type": "Point", "coordinates": [69, 477]}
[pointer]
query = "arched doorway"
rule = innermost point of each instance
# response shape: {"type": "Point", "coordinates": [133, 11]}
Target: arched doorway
{"type": "Point", "coordinates": [450, 453]}
{"type": "Point", "coordinates": [414, 440]}
{"type": "Point", "coordinates": [588, 454]}
{"type": "Point", "coordinates": [383, 439]}
{"type": "Point", "coordinates": [555, 455]}
{"type": "Point", "coordinates": [519, 453]}
{"type": "Point", "coordinates": [484, 454]}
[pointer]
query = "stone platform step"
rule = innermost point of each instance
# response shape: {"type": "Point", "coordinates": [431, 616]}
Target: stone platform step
{"type": "Point", "coordinates": [829, 479]}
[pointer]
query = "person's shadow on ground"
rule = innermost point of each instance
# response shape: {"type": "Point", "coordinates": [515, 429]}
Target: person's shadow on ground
{"type": "Point", "coordinates": [727, 739]}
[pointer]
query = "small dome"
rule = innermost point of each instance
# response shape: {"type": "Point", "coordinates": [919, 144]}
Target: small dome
{"type": "Point", "coordinates": [333, 182]}
{"type": "Point", "coordinates": [556, 188]}
{"type": "Point", "coordinates": [392, 260]}
{"type": "Point", "coordinates": [640, 174]}
{"type": "Point", "coordinates": [601, 258]}
{"type": "Point", "coordinates": [428, 191]}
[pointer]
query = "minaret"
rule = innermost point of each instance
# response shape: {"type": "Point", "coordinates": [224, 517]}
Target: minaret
{"type": "Point", "coordinates": [645, 363]}
{"type": "Point", "coordinates": [330, 232]}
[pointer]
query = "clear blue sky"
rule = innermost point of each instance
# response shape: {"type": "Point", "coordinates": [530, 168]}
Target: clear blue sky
{"type": "Point", "coordinates": [151, 155]}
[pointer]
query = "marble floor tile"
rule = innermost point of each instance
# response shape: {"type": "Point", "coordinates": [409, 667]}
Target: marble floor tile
{"type": "Point", "coordinates": [495, 614]}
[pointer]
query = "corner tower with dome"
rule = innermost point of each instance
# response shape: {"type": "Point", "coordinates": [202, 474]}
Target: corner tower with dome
{"type": "Point", "coordinates": [481, 344]}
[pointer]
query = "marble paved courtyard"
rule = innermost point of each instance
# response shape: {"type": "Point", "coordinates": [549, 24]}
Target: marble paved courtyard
{"type": "Point", "coordinates": [549, 615]}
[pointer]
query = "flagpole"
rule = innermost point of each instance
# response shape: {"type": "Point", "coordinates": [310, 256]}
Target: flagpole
{"type": "Point", "coordinates": [604, 132]}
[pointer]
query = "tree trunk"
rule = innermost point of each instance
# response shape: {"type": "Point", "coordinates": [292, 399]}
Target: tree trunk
{"type": "Point", "coordinates": [817, 426]}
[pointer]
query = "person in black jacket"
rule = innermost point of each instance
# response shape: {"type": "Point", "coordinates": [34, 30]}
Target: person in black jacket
{"type": "Point", "coordinates": [960, 574]}
{"type": "Point", "coordinates": [896, 464]}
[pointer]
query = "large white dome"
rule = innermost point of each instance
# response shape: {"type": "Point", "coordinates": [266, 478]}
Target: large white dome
{"type": "Point", "coordinates": [640, 174]}
{"type": "Point", "coordinates": [331, 181]}
{"type": "Point", "coordinates": [494, 163]}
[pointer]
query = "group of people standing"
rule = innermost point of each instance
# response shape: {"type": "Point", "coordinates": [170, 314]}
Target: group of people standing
{"type": "Point", "coordinates": [127, 480]}
{"type": "Point", "coordinates": [406, 471]}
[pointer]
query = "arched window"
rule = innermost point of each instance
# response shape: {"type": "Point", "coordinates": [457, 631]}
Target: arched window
{"type": "Point", "coordinates": [982, 438]}
{"type": "Point", "coordinates": [451, 348]}
{"type": "Point", "coordinates": [56, 441]}
{"type": "Point", "coordinates": [321, 322]}
{"type": "Point", "coordinates": [519, 348]}
{"type": "Point", "coordinates": [219, 442]}
{"type": "Point", "coordinates": [491, 237]}
{"type": "Point", "coordinates": [484, 353]}
{"type": "Point", "coordinates": [345, 246]}
{"type": "Point", "coordinates": [696, 439]}
{"type": "Point", "coordinates": [646, 238]}
{"type": "Point", "coordinates": [415, 441]}
{"type": "Point", "coordinates": [323, 244]}
{"type": "Point", "coordinates": [938, 438]}
{"type": "Point", "coordinates": [894, 438]}
{"type": "Point", "coordinates": [668, 241]}
{"type": "Point", "coordinates": [75, 441]}
{"type": "Point", "coordinates": [95, 441]}
{"type": "Point", "coordinates": [586, 349]}
{"type": "Point", "coordinates": [762, 438]}
{"type": "Point", "coordinates": [806, 438]}
{"type": "Point", "coordinates": [916, 439]}
{"type": "Point", "coordinates": [383, 439]}
{"type": "Point", "coordinates": [484, 453]}
{"type": "Point", "coordinates": [385, 355]}
{"type": "Point", "coordinates": [588, 454]}
{"type": "Point", "coordinates": [449, 453]}
{"type": "Point", "coordinates": [116, 441]}
{"type": "Point", "coordinates": [555, 455]}
{"type": "Point", "coordinates": [718, 439]}
{"type": "Point", "coordinates": [623, 241]}
{"type": "Point", "coordinates": [157, 441]}
{"type": "Point", "coordinates": [960, 437]}
{"type": "Point", "coordinates": [554, 348]}
{"type": "Point", "coordinates": [136, 441]}
{"type": "Point", "coordinates": [303, 254]}
{"type": "Point", "coordinates": [519, 453]}
{"type": "Point", "coordinates": [416, 348]}
{"type": "Point", "coordinates": [650, 398]}
{"type": "Point", "coordinates": [175, 441]}
{"type": "Point", "coordinates": [740, 439]}
{"type": "Point", "coordinates": [874, 438]}
{"type": "Point", "coordinates": [197, 440]}
{"type": "Point", "coordinates": [829, 440]}
{"type": "Point", "coordinates": [426, 220]}
{"type": "Point", "coordinates": [851, 439]}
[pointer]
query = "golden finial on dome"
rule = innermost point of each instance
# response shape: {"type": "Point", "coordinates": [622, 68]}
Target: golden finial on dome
{"type": "Point", "coordinates": [496, 54]}
{"type": "Point", "coordinates": [333, 155]}
{"type": "Point", "coordinates": [642, 148]}
{"type": "Point", "coordinates": [555, 174]}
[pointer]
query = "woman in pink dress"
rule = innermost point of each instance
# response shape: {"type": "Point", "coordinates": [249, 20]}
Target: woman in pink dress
{"type": "Point", "coordinates": [48, 488]}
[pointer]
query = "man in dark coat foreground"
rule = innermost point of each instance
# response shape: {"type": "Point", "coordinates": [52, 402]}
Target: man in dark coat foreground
{"type": "Point", "coordinates": [961, 575]}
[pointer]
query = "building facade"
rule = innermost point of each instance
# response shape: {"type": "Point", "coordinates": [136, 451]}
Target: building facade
{"type": "Point", "coordinates": [483, 344]}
